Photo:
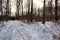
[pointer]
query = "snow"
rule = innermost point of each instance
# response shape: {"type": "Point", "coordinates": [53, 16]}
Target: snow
{"type": "Point", "coordinates": [17, 30]}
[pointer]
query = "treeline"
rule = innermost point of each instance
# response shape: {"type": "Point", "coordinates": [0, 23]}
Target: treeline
{"type": "Point", "coordinates": [46, 13]}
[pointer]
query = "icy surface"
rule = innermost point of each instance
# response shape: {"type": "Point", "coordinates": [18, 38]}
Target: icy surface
{"type": "Point", "coordinates": [17, 30]}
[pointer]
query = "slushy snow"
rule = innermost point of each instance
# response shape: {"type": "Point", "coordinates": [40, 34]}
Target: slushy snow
{"type": "Point", "coordinates": [17, 30]}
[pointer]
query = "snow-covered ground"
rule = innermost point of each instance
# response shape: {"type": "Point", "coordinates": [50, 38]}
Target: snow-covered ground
{"type": "Point", "coordinates": [17, 30]}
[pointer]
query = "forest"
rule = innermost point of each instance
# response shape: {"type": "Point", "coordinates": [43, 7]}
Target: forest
{"type": "Point", "coordinates": [29, 19]}
{"type": "Point", "coordinates": [45, 13]}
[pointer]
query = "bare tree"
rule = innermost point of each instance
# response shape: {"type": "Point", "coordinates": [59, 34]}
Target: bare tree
{"type": "Point", "coordinates": [1, 9]}
{"type": "Point", "coordinates": [22, 9]}
{"type": "Point", "coordinates": [28, 10]}
{"type": "Point", "coordinates": [1, 6]}
{"type": "Point", "coordinates": [50, 9]}
{"type": "Point", "coordinates": [31, 10]}
{"type": "Point", "coordinates": [17, 10]}
{"type": "Point", "coordinates": [44, 12]}
{"type": "Point", "coordinates": [56, 14]}
{"type": "Point", "coordinates": [7, 10]}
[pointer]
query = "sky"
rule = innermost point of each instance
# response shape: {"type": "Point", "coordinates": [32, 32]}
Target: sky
{"type": "Point", "coordinates": [37, 4]}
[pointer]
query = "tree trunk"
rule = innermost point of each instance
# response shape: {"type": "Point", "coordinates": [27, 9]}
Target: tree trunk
{"type": "Point", "coordinates": [56, 14]}
{"type": "Point", "coordinates": [31, 10]}
{"type": "Point", "coordinates": [44, 13]}
{"type": "Point", "coordinates": [10, 10]}
{"type": "Point", "coordinates": [51, 11]}
{"type": "Point", "coordinates": [1, 8]}
{"type": "Point", "coordinates": [28, 14]}
{"type": "Point", "coordinates": [7, 10]}
{"type": "Point", "coordinates": [1, 12]}
{"type": "Point", "coordinates": [17, 11]}
{"type": "Point", "coordinates": [22, 9]}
